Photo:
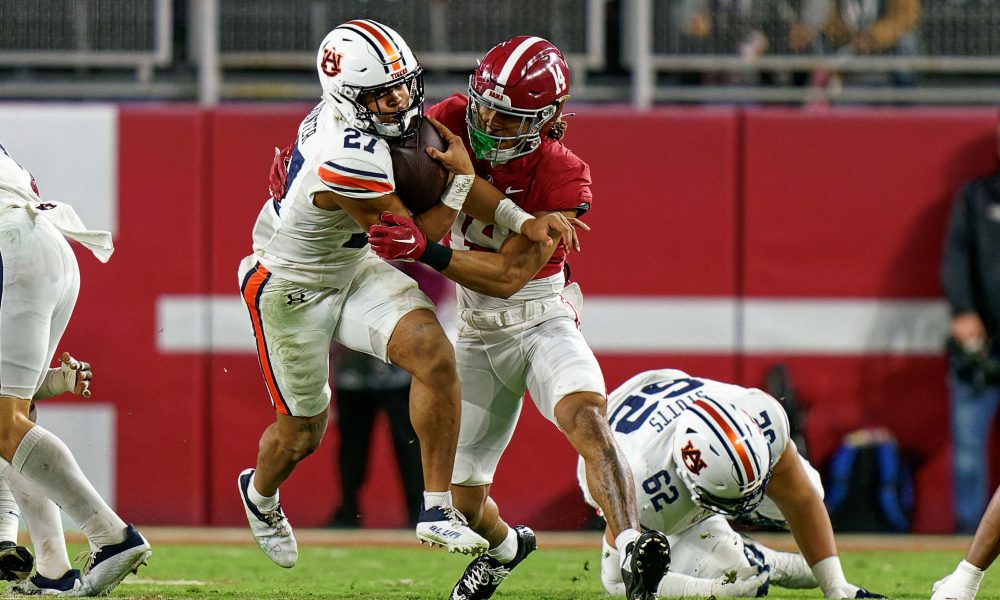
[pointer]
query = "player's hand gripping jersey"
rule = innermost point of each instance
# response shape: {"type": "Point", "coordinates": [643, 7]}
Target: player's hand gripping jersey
{"type": "Point", "coordinates": [551, 178]}
{"type": "Point", "coordinates": [305, 244]}
{"type": "Point", "coordinates": [642, 414]}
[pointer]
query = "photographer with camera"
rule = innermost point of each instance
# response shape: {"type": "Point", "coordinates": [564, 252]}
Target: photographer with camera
{"type": "Point", "coordinates": [970, 274]}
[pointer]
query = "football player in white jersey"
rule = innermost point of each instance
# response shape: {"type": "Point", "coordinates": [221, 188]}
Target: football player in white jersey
{"type": "Point", "coordinates": [40, 283]}
{"type": "Point", "coordinates": [701, 450]}
{"type": "Point", "coordinates": [963, 582]}
{"type": "Point", "coordinates": [312, 279]}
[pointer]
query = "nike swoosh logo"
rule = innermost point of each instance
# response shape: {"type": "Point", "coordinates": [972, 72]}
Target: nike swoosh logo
{"type": "Point", "coordinates": [408, 240]}
{"type": "Point", "coordinates": [511, 190]}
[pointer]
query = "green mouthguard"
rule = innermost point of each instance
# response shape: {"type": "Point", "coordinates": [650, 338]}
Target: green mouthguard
{"type": "Point", "coordinates": [482, 144]}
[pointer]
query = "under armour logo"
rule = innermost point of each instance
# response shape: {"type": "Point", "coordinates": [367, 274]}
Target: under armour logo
{"type": "Point", "coordinates": [692, 458]}
{"type": "Point", "coordinates": [45, 206]}
{"type": "Point", "coordinates": [293, 298]}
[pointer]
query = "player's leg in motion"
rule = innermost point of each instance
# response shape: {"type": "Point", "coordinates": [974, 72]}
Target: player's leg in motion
{"type": "Point", "coordinates": [16, 561]}
{"type": "Point", "coordinates": [508, 545]}
{"type": "Point", "coordinates": [419, 345]}
{"type": "Point", "coordinates": [963, 583]}
{"type": "Point", "coordinates": [646, 556]}
{"type": "Point", "coordinates": [53, 572]}
{"type": "Point", "coordinates": [33, 316]}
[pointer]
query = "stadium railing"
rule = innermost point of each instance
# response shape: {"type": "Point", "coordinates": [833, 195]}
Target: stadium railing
{"type": "Point", "coordinates": [637, 51]}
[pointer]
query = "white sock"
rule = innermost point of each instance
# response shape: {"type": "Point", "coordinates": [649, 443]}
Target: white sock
{"type": "Point", "coordinates": [9, 517]}
{"type": "Point", "coordinates": [506, 550]}
{"type": "Point", "coordinates": [432, 499]}
{"type": "Point", "coordinates": [44, 522]}
{"type": "Point", "coordinates": [625, 537]}
{"type": "Point", "coordinates": [45, 459]}
{"type": "Point", "coordinates": [264, 503]}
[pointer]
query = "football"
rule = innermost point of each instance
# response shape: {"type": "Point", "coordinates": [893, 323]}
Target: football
{"type": "Point", "coordinates": [420, 180]}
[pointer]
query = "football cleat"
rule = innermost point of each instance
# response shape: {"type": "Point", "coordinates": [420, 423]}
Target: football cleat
{"type": "Point", "coordinates": [444, 526]}
{"type": "Point", "coordinates": [37, 585]}
{"type": "Point", "coordinates": [109, 565]}
{"type": "Point", "coordinates": [270, 528]}
{"type": "Point", "coordinates": [647, 560]}
{"type": "Point", "coordinates": [16, 561]}
{"type": "Point", "coordinates": [485, 574]}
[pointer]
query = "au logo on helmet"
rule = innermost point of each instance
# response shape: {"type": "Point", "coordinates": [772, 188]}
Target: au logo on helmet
{"type": "Point", "coordinates": [692, 458]}
{"type": "Point", "coordinates": [331, 61]}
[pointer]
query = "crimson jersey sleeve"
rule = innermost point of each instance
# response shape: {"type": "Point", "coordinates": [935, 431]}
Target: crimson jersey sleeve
{"type": "Point", "coordinates": [565, 179]}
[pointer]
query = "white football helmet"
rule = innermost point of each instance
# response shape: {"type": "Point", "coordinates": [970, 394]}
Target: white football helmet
{"type": "Point", "coordinates": [722, 456]}
{"type": "Point", "coordinates": [362, 60]}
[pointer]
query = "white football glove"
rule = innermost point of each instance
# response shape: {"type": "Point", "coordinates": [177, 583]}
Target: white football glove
{"type": "Point", "coordinates": [962, 584]}
{"type": "Point", "coordinates": [70, 376]}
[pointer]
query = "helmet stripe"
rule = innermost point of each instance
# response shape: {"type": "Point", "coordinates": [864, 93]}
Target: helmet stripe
{"type": "Point", "coordinates": [739, 430]}
{"type": "Point", "coordinates": [734, 438]}
{"type": "Point", "coordinates": [388, 47]}
{"type": "Point", "coordinates": [514, 57]}
{"type": "Point", "coordinates": [389, 36]}
{"type": "Point", "coordinates": [704, 416]}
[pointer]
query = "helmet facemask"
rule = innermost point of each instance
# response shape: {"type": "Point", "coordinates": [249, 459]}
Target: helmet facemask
{"type": "Point", "coordinates": [489, 146]}
{"type": "Point", "coordinates": [400, 124]}
{"type": "Point", "coordinates": [724, 506]}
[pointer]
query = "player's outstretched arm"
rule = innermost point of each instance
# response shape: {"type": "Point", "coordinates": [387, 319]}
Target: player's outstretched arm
{"type": "Point", "coordinates": [499, 274]}
{"type": "Point", "coordinates": [70, 376]}
{"type": "Point", "coordinates": [488, 204]}
{"type": "Point", "coordinates": [800, 503]}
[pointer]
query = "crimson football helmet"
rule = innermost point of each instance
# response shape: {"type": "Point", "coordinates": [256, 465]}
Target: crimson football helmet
{"type": "Point", "coordinates": [525, 79]}
{"type": "Point", "coordinates": [722, 456]}
{"type": "Point", "coordinates": [362, 60]}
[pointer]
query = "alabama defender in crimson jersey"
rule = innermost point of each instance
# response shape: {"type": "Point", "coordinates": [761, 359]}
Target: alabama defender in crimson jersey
{"type": "Point", "coordinates": [519, 321]}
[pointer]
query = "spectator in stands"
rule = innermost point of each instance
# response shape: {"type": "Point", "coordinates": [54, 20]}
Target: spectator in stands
{"type": "Point", "coordinates": [752, 28]}
{"type": "Point", "coordinates": [364, 386]}
{"type": "Point", "coordinates": [875, 27]}
{"type": "Point", "coordinates": [970, 274]}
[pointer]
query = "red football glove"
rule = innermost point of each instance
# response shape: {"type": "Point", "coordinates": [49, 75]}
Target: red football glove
{"type": "Point", "coordinates": [279, 173]}
{"type": "Point", "coordinates": [398, 239]}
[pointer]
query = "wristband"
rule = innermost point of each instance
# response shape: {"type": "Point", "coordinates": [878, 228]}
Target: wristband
{"type": "Point", "coordinates": [829, 573]}
{"type": "Point", "coordinates": [436, 256]}
{"type": "Point", "coordinates": [510, 215]}
{"type": "Point", "coordinates": [454, 195]}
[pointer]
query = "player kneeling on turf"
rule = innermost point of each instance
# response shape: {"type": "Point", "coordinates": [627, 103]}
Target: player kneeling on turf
{"type": "Point", "coordinates": [701, 450]}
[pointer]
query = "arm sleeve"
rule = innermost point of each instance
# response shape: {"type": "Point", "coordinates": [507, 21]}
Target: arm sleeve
{"type": "Point", "coordinates": [956, 262]}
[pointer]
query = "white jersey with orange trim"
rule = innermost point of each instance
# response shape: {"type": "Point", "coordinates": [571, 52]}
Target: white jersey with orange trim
{"type": "Point", "coordinates": [303, 243]}
{"type": "Point", "coordinates": [642, 414]}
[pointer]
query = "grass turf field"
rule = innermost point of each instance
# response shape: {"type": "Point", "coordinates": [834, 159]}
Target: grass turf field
{"type": "Point", "coordinates": [899, 568]}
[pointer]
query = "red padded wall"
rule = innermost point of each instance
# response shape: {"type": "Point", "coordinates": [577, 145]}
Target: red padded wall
{"type": "Point", "coordinates": [160, 398]}
{"type": "Point", "coordinates": [854, 204]}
